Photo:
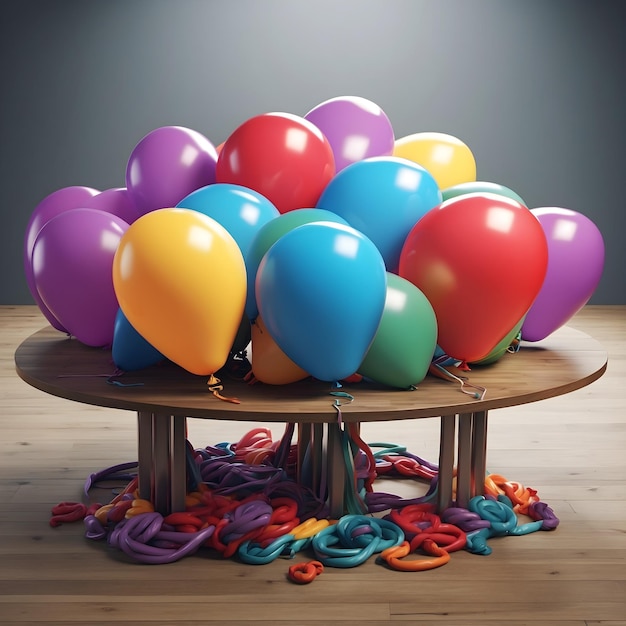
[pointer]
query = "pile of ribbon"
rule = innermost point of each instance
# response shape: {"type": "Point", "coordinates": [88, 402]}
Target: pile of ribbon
{"type": "Point", "coordinates": [244, 502]}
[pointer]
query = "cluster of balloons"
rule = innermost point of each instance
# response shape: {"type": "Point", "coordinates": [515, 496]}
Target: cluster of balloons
{"type": "Point", "coordinates": [324, 242]}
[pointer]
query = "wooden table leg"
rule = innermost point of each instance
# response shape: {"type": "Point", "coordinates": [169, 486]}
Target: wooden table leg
{"type": "Point", "coordinates": [464, 461]}
{"type": "Point", "coordinates": [336, 473]}
{"type": "Point", "coordinates": [144, 440]}
{"type": "Point", "coordinates": [446, 462]}
{"type": "Point", "coordinates": [162, 461]}
{"type": "Point", "coordinates": [304, 442]}
{"type": "Point", "coordinates": [479, 452]}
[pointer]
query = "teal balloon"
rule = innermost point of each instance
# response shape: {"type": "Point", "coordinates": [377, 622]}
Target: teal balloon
{"type": "Point", "coordinates": [383, 197]}
{"type": "Point", "coordinates": [480, 187]}
{"type": "Point", "coordinates": [130, 351]}
{"type": "Point", "coordinates": [321, 292]}
{"type": "Point", "coordinates": [268, 235]}
{"type": "Point", "coordinates": [241, 211]}
{"type": "Point", "coordinates": [405, 341]}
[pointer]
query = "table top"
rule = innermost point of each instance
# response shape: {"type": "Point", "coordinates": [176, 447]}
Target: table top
{"type": "Point", "coordinates": [61, 366]}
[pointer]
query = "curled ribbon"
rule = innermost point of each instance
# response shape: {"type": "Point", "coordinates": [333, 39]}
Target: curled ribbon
{"type": "Point", "coordinates": [304, 573]}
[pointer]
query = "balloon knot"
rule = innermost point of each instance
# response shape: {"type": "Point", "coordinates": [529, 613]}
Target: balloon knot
{"type": "Point", "coordinates": [215, 387]}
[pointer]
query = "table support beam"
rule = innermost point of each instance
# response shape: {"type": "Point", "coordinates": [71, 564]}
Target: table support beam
{"type": "Point", "coordinates": [446, 462]}
{"type": "Point", "coordinates": [479, 452]}
{"type": "Point", "coordinates": [336, 472]}
{"type": "Point", "coordinates": [464, 488]}
{"type": "Point", "coordinates": [162, 460]}
{"type": "Point", "coordinates": [144, 452]}
{"type": "Point", "coordinates": [469, 445]}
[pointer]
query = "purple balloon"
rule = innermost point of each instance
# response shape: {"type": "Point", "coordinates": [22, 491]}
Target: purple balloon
{"type": "Point", "coordinates": [52, 205]}
{"type": "Point", "coordinates": [116, 201]}
{"type": "Point", "coordinates": [168, 164]}
{"type": "Point", "coordinates": [73, 270]}
{"type": "Point", "coordinates": [575, 264]}
{"type": "Point", "coordinates": [355, 127]}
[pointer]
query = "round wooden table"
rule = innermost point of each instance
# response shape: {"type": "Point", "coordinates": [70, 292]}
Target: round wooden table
{"type": "Point", "coordinates": [164, 395]}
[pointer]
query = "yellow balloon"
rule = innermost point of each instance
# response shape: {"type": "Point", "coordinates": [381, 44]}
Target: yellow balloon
{"type": "Point", "coordinates": [448, 159]}
{"type": "Point", "coordinates": [270, 364]}
{"type": "Point", "coordinates": [180, 280]}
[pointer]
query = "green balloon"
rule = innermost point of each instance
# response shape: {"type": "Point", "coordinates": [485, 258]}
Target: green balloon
{"type": "Point", "coordinates": [405, 341]}
{"type": "Point", "coordinates": [501, 349]}
{"type": "Point", "coordinates": [480, 187]}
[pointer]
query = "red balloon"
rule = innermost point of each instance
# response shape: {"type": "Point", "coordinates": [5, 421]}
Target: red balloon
{"type": "Point", "coordinates": [281, 156]}
{"type": "Point", "coordinates": [480, 259]}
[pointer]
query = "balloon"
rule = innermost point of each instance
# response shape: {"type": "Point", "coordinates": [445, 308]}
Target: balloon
{"type": "Point", "coordinates": [72, 260]}
{"type": "Point", "coordinates": [480, 187]}
{"type": "Point", "coordinates": [356, 128]}
{"type": "Point", "coordinates": [180, 280]}
{"type": "Point", "coordinates": [282, 156]}
{"type": "Point", "coordinates": [130, 350]}
{"type": "Point", "coordinates": [166, 165]}
{"type": "Point", "coordinates": [405, 341]}
{"type": "Point", "coordinates": [447, 158]}
{"type": "Point", "coordinates": [116, 201]}
{"type": "Point", "coordinates": [575, 265]}
{"type": "Point", "coordinates": [270, 364]}
{"type": "Point", "coordinates": [502, 347]}
{"type": "Point", "coordinates": [53, 204]}
{"type": "Point", "coordinates": [269, 234]}
{"type": "Point", "coordinates": [383, 197]}
{"type": "Point", "coordinates": [241, 211]}
{"type": "Point", "coordinates": [480, 259]}
{"type": "Point", "coordinates": [321, 292]}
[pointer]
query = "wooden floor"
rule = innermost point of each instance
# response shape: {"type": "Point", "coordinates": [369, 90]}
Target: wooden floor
{"type": "Point", "coordinates": [572, 449]}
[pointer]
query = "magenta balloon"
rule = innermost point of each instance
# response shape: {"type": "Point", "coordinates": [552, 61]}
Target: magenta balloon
{"type": "Point", "coordinates": [355, 127]}
{"type": "Point", "coordinates": [116, 201]}
{"type": "Point", "coordinates": [168, 164]}
{"type": "Point", "coordinates": [73, 266]}
{"type": "Point", "coordinates": [52, 205]}
{"type": "Point", "coordinates": [575, 264]}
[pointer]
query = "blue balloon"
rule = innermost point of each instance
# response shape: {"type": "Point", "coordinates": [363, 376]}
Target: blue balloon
{"type": "Point", "coordinates": [321, 292]}
{"type": "Point", "coordinates": [383, 197]}
{"type": "Point", "coordinates": [130, 350]}
{"type": "Point", "coordinates": [241, 211]}
{"type": "Point", "coordinates": [268, 235]}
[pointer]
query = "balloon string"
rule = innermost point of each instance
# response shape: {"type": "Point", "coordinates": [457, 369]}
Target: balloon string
{"type": "Point", "coordinates": [476, 391]}
{"type": "Point", "coordinates": [337, 404]}
{"type": "Point", "coordinates": [215, 387]}
{"type": "Point", "coordinates": [110, 378]}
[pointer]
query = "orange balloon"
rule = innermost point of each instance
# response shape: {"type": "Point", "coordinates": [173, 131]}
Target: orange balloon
{"type": "Point", "coordinates": [269, 363]}
{"type": "Point", "coordinates": [180, 279]}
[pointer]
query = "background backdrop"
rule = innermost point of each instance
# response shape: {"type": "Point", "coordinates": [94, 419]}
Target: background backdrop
{"type": "Point", "coordinates": [534, 87]}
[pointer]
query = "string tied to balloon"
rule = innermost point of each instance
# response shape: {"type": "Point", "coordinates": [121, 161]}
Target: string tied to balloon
{"type": "Point", "coordinates": [215, 387]}
{"type": "Point", "coordinates": [476, 391]}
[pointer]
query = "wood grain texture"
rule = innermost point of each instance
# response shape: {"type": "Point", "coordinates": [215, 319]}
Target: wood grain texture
{"type": "Point", "coordinates": [58, 365]}
{"type": "Point", "coordinates": [570, 448]}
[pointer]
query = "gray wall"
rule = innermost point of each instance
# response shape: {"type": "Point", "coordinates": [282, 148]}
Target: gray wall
{"type": "Point", "coordinates": [534, 87]}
